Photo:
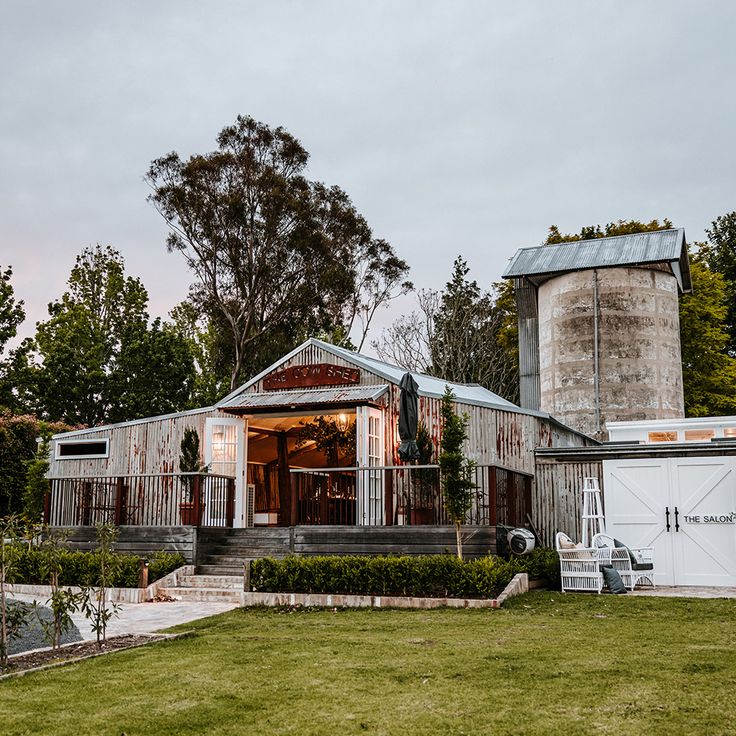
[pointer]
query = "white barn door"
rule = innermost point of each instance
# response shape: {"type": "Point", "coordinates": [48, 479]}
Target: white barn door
{"type": "Point", "coordinates": [684, 507]}
{"type": "Point", "coordinates": [370, 453]}
{"type": "Point", "coordinates": [704, 495]}
{"type": "Point", "coordinates": [636, 498]}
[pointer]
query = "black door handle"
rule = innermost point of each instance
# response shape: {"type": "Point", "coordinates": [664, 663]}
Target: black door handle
{"type": "Point", "coordinates": [677, 523]}
{"type": "Point", "coordinates": [667, 516]}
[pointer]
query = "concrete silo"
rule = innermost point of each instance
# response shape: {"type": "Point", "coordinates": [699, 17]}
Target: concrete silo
{"type": "Point", "coordinates": [599, 332]}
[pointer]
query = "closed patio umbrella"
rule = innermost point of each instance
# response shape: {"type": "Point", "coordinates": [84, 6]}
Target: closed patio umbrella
{"type": "Point", "coordinates": [408, 415]}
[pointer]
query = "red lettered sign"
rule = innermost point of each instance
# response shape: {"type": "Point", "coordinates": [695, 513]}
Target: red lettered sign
{"type": "Point", "coordinates": [316, 374]}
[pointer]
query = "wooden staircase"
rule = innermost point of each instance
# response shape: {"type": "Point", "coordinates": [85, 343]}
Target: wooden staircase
{"type": "Point", "coordinates": [224, 551]}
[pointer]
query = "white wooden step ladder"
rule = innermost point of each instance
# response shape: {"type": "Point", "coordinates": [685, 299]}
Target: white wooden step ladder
{"type": "Point", "coordinates": [594, 522]}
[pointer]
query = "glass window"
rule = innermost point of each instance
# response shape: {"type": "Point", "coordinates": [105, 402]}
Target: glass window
{"type": "Point", "coordinates": [699, 435]}
{"type": "Point", "coordinates": [75, 449]}
{"type": "Point", "coordinates": [224, 449]}
{"type": "Point", "coordinates": [669, 436]}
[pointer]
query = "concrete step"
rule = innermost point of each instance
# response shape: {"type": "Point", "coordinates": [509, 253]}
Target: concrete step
{"type": "Point", "coordinates": [221, 582]}
{"type": "Point", "coordinates": [202, 595]}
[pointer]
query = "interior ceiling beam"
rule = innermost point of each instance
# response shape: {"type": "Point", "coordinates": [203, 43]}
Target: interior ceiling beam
{"type": "Point", "coordinates": [291, 432]}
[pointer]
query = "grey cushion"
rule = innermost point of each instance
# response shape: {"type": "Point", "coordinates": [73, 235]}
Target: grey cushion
{"type": "Point", "coordinates": [642, 566]}
{"type": "Point", "coordinates": [613, 579]}
{"type": "Point", "coordinates": [632, 556]}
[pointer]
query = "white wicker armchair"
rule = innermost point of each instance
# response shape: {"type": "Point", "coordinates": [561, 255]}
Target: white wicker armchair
{"type": "Point", "coordinates": [632, 564]}
{"type": "Point", "coordinates": [579, 566]}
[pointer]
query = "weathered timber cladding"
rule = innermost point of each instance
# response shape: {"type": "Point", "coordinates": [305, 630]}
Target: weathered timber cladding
{"type": "Point", "coordinates": [140, 540]}
{"type": "Point", "coordinates": [135, 448]}
{"type": "Point", "coordinates": [232, 546]}
{"type": "Point", "coordinates": [557, 497]}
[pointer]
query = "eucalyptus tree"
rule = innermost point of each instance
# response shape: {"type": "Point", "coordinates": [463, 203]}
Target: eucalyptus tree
{"type": "Point", "coordinates": [273, 252]}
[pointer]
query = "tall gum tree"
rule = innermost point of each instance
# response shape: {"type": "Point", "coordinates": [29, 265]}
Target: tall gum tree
{"type": "Point", "coordinates": [271, 249]}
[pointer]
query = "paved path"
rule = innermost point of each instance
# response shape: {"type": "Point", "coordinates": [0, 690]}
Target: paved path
{"type": "Point", "coordinates": [145, 618]}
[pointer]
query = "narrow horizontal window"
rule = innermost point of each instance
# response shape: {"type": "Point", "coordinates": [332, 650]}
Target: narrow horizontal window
{"type": "Point", "coordinates": [699, 435]}
{"type": "Point", "coordinates": [78, 449]}
{"type": "Point", "coordinates": [663, 437]}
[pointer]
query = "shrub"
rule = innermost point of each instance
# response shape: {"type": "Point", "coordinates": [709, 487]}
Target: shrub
{"type": "Point", "coordinates": [435, 576]}
{"type": "Point", "coordinates": [18, 446]}
{"type": "Point", "coordinates": [83, 568]}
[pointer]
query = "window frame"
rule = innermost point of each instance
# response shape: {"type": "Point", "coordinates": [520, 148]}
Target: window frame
{"type": "Point", "coordinates": [65, 443]}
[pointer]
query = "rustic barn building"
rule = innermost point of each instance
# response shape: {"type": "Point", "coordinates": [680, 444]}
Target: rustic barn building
{"type": "Point", "coordinates": [262, 472]}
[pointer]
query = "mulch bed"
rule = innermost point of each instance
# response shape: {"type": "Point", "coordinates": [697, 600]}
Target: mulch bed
{"type": "Point", "coordinates": [72, 652]}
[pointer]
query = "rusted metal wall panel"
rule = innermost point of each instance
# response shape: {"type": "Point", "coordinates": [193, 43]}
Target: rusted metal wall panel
{"type": "Point", "coordinates": [557, 497]}
{"type": "Point", "coordinates": [150, 446]}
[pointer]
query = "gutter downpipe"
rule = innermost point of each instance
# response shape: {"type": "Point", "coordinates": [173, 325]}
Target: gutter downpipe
{"type": "Point", "coordinates": [596, 363]}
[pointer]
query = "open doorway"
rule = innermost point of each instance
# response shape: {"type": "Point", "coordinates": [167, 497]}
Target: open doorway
{"type": "Point", "coordinates": [278, 444]}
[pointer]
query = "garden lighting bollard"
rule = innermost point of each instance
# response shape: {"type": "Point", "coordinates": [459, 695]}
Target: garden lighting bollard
{"type": "Point", "coordinates": [143, 574]}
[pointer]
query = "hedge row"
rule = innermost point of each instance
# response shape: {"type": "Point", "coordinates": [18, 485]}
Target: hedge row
{"type": "Point", "coordinates": [436, 576]}
{"type": "Point", "coordinates": [83, 568]}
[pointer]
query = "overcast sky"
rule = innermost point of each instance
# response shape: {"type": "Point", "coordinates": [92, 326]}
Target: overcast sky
{"type": "Point", "coordinates": [456, 127]}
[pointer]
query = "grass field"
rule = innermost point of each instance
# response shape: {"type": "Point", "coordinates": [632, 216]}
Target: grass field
{"type": "Point", "coordinates": [545, 664]}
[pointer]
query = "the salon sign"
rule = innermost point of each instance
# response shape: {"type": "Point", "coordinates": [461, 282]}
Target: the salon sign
{"type": "Point", "coordinates": [729, 518]}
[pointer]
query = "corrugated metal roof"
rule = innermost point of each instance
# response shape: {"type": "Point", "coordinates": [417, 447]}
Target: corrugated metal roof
{"type": "Point", "coordinates": [304, 397]}
{"type": "Point", "coordinates": [428, 385]}
{"type": "Point", "coordinates": [667, 246]}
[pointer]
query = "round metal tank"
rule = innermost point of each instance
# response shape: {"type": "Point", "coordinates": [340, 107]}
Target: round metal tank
{"type": "Point", "coordinates": [609, 347]}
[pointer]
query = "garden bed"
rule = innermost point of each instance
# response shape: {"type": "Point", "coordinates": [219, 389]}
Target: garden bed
{"type": "Point", "coordinates": [67, 653]}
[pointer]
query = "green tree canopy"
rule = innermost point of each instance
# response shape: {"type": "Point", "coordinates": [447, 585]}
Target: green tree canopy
{"type": "Point", "coordinates": [276, 256]}
{"type": "Point", "coordinates": [100, 359]}
{"type": "Point", "coordinates": [708, 372]}
{"type": "Point", "coordinates": [620, 227]}
{"type": "Point", "coordinates": [719, 254]}
{"type": "Point", "coordinates": [13, 365]}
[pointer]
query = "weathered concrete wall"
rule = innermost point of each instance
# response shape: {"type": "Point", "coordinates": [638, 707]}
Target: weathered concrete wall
{"type": "Point", "coordinates": [639, 358]}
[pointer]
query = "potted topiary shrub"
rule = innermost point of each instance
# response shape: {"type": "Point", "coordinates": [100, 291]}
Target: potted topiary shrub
{"type": "Point", "coordinates": [189, 462]}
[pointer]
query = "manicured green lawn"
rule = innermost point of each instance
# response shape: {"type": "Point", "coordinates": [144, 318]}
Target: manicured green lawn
{"type": "Point", "coordinates": [545, 664]}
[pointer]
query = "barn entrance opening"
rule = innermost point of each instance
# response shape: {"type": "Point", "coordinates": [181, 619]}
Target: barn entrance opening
{"type": "Point", "coordinates": [330, 441]}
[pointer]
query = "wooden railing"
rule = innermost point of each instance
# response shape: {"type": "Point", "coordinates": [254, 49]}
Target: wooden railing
{"type": "Point", "coordinates": [142, 500]}
{"type": "Point", "coordinates": [404, 495]}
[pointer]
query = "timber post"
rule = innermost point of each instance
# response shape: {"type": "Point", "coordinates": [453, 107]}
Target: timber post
{"type": "Point", "coordinates": [230, 502]}
{"type": "Point", "coordinates": [388, 498]}
{"type": "Point", "coordinates": [47, 508]}
{"type": "Point", "coordinates": [119, 517]}
{"type": "Point", "coordinates": [492, 497]}
{"type": "Point", "coordinates": [294, 498]}
{"type": "Point", "coordinates": [197, 499]}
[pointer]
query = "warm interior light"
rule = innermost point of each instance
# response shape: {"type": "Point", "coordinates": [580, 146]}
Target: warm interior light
{"type": "Point", "coordinates": [342, 422]}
